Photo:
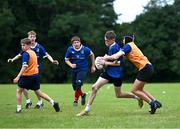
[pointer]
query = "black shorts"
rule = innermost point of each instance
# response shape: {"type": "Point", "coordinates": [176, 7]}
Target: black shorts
{"type": "Point", "coordinates": [146, 73]}
{"type": "Point", "coordinates": [29, 82]}
{"type": "Point", "coordinates": [116, 81]}
{"type": "Point", "coordinates": [78, 79]}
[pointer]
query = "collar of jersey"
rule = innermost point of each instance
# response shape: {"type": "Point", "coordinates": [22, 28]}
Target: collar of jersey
{"type": "Point", "coordinates": [112, 44]}
{"type": "Point", "coordinates": [77, 49]}
{"type": "Point", "coordinates": [34, 45]}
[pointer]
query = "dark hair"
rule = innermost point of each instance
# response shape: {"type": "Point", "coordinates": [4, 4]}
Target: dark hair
{"type": "Point", "coordinates": [26, 41]}
{"type": "Point", "coordinates": [75, 38]}
{"type": "Point", "coordinates": [129, 38]}
{"type": "Point", "coordinates": [110, 35]}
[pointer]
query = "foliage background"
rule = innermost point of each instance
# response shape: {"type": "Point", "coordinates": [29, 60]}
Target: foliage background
{"type": "Point", "coordinates": [157, 32]}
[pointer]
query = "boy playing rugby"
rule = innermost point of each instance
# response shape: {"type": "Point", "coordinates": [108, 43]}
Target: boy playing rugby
{"type": "Point", "coordinates": [134, 54]}
{"type": "Point", "coordinates": [28, 77]}
{"type": "Point", "coordinates": [41, 53]}
{"type": "Point", "coordinates": [77, 58]}
{"type": "Point", "coordinates": [113, 74]}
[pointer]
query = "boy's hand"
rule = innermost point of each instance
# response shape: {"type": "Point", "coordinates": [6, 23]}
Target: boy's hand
{"type": "Point", "coordinates": [55, 62]}
{"type": "Point", "coordinates": [101, 62]}
{"type": "Point", "coordinates": [107, 57]}
{"type": "Point", "coordinates": [73, 66]}
{"type": "Point", "coordinates": [10, 60]}
{"type": "Point", "coordinates": [93, 69]}
{"type": "Point", "coordinates": [16, 79]}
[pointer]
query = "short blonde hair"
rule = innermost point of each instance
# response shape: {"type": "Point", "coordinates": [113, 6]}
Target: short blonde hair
{"type": "Point", "coordinates": [110, 35]}
{"type": "Point", "coordinates": [26, 41]}
{"type": "Point", "coordinates": [32, 32]}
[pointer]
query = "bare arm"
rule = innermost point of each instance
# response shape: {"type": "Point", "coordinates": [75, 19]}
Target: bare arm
{"type": "Point", "coordinates": [10, 60]}
{"type": "Point", "coordinates": [109, 63]}
{"type": "Point", "coordinates": [70, 64]}
{"type": "Point", "coordinates": [114, 63]}
{"type": "Point", "coordinates": [52, 60]}
{"type": "Point", "coordinates": [93, 68]}
{"type": "Point", "coordinates": [19, 74]}
{"type": "Point", "coordinates": [114, 56]}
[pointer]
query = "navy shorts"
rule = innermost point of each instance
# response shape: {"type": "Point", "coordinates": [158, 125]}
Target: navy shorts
{"type": "Point", "coordinates": [145, 74]}
{"type": "Point", "coordinates": [29, 82]}
{"type": "Point", "coordinates": [78, 79]}
{"type": "Point", "coordinates": [116, 81]}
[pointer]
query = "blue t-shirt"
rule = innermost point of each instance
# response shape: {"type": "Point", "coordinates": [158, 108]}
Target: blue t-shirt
{"type": "Point", "coordinates": [126, 49]}
{"type": "Point", "coordinates": [115, 71]}
{"type": "Point", "coordinates": [78, 57]}
{"type": "Point", "coordinates": [40, 52]}
{"type": "Point", "coordinates": [25, 59]}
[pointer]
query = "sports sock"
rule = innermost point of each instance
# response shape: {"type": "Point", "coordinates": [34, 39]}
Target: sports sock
{"type": "Point", "coordinates": [80, 92]}
{"type": "Point", "coordinates": [28, 100]}
{"type": "Point", "coordinates": [18, 107]}
{"type": "Point", "coordinates": [39, 102]}
{"type": "Point", "coordinates": [88, 108]}
{"type": "Point", "coordinates": [52, 102]}
{"type": "Point", "coordinates": [76, 95]}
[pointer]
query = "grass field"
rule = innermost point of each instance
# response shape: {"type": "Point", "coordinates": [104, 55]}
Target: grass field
{"type": "Point", "coordinates": [107, 111]}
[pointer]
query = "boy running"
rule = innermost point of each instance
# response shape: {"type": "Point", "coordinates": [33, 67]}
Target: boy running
{"type": "Point", "coordinates": [41, 53]}
{"type": "Point", "coordinates": [77, 58]}
{"type": "Point", "coordinates": [113, 74]}
{"type": "Point", "coordinates": [134, 54]}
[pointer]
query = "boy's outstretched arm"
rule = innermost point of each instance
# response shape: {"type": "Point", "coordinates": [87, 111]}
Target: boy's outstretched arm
{"type": "Point", "coordinates": [10, 60]}
{"type": "Point", "coordinates": [52, 60]}
{"type": "Point", "coordinates": [114, 56]}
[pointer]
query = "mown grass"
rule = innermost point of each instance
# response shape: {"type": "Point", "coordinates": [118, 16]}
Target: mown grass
{"type": "Point", "coordinates": [107, 111]}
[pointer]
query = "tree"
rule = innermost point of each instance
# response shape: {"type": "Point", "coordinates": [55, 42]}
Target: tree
{"type": "Point", "coordinates": [55, 23]}
{"type": "Point", "coordinates": [158, 33]}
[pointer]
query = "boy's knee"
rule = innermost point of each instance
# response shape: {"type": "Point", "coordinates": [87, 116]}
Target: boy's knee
{"type": "Point", "coordinates": [18, 90]}
{"type": "Point", "coordinates": [79, 83]}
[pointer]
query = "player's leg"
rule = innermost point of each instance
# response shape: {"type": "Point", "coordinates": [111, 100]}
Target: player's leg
{"type": "Point", "coordinates": [23, 84]}
{"type": "Point", "coordinates": [117, 88]}
{"type": "Point", "coordinates": [96, 86]}
{"type": "Point", "coordinates": [49, 99]}
{"type": "Point", "coordinates": [28, 100]}
{"type": "Point", "coordinates": [74, 85]}
{"type": "Point", "coordinates": [36, 87]}
{"type": "Point", "coordinates": [19, 99]}
{"type": "Point", "coordinates": [119, 94]}
{"type": "Point", "coordinates": [138, 91]}
{"type": "Point", "coordinates": [145, 75]}
{"type": "Point", "coordinates": [39, 104]}
{"type": "Point", "coordinates": [79, 81]}
{"type": "Point", "coordinates": [159, 105]}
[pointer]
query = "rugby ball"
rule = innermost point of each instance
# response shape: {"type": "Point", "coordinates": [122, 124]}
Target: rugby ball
{"type": "Point", "coordinates": [97, 64]}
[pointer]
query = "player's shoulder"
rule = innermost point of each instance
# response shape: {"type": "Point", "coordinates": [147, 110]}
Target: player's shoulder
{"type": "Point", "coordinates": [70, 48]}
{"type": "Point", "coordinates": [39, 45]}
{"type": "Point", "coordinates": [25, 53]}
{"type": "Point", "coordinates": [115, 47]}
{"type": "Point", "coordinates": [85, 47]}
